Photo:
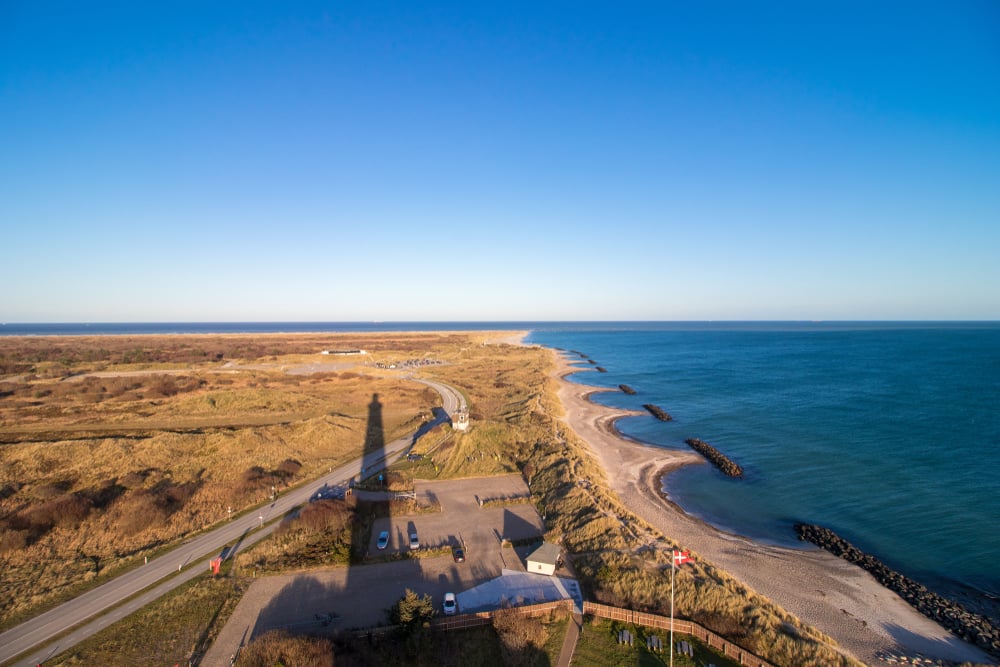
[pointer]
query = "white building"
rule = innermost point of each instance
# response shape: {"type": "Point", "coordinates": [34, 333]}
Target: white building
{"type": "Point", "coordinates": [543, 560]}
{"type": "Point", "coordinates": [461, 421]}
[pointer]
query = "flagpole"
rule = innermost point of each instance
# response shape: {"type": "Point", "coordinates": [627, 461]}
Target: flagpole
{"type": "Point", "coordinates": [673, 566]}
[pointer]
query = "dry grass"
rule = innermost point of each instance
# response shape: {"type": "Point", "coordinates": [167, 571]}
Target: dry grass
{"type": "Point", "coordinates": [174, 629]}
{"type": "Point", "coordinates": [98, 471]}
{"type": "Point", "coordinates": [280, 648]}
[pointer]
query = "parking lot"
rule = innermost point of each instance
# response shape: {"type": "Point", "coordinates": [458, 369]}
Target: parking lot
{"type": "Point", "coordinates": [461, 521]}
{"type": "Point", "coordinates": [358, 596]}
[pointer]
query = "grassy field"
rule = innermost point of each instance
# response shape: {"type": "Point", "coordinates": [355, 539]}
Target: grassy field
{"type": "Point", "coordinates": [220, 431]}
{"type": "Point", "coordinates": [170, 631]}
{"type": "Point", "coordinates": [98, 472]}
{"type": "Point", "coordinates": [598, 645]}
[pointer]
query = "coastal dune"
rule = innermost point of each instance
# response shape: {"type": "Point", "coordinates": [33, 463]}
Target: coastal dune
{"type": "Point", "coordinates": [867, 620]}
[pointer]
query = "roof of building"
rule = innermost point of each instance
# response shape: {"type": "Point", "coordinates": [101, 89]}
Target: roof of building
{"type": "Point", "coordinates": [517, 588]}
{"type": "Point", "coordinates": [547, 553]}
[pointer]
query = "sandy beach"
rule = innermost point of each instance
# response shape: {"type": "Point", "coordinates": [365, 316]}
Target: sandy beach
{"type": "Point", "coordinates": [868, 621]}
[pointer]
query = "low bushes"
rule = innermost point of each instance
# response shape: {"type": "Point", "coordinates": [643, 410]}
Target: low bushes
{"type": "Point", "coordinates": [277, 647]}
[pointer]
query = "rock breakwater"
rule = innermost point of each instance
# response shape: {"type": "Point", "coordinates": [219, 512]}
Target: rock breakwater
{"type": "Point", "coordinates": [627, 389]}
{"type": "Point", "coordinates": [715, 457]}
{"type": "Point", "coordinates": [973, 628]}
{"type": "Point", "coordinates": [657, 412]}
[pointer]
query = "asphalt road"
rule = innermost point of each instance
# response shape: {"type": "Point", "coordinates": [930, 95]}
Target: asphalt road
{"type": "Point", "coordinates": [190, 559]}
{"type": "Point", "coordinates": [451, 397]}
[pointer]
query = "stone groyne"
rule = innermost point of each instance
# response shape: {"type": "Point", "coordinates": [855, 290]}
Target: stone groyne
{"type": "Point", "coordinates": [627, 389]}
{"type": "Point", "coordinates": [973, 628]}
{"type": "Point", "coordinates": [657, 412]}
{"type": "Point", "coordinates": [717, 458]}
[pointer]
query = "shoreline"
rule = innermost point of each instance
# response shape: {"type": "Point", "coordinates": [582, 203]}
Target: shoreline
{"type": "Point", "coordinates": [867, 620]}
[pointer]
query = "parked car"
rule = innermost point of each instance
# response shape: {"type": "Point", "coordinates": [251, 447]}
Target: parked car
{"type": "Point", "coordinates": [450, 604]}
{"type": "Point", "coordinates": [383, 539]}
{"type": "Point", "coordinates": [414, 542]}
{"type": "Point", "coordinates": [458, 553]}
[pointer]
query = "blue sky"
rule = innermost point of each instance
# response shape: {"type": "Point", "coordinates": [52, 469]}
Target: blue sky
{"type": "Point", "coordinates": [525, 161]}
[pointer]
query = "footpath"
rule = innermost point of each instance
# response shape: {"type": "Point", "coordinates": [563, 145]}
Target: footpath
{"type": "Point", "coordinates": [569, 643]}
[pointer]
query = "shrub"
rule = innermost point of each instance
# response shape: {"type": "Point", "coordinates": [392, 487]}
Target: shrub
{"type": "Point", "coordinates": [288, 468]}
{"type": "Point", "coordinates": [150, 508]}
{"type": "Point", "coordinates": [51, 490]}
{"type": "Point", "coordinates": [279, 648]}
{"type": "Point", "coordinates": [325, 516]}
{"type": "Point", "coordinates": [13, 540]}
{"type": "Point", "coordinates": [66, 510]}
{"type": "Point", "coordinates": [133, 480]}
{"type": "Point", "coordinates": [521, 637]}
{"type": "Point", "coordinates": [411, 610]}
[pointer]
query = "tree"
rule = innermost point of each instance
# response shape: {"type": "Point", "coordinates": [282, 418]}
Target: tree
{"type": "Point", "coordinates": [412, 610]}
{"type": "Point", "coordinates": [412, 614]}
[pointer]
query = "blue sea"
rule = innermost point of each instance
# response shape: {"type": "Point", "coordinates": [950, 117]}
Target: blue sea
{"type": "Point", "coordinates": [887, 433]}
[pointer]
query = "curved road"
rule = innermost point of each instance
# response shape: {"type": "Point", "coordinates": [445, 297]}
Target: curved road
{"type": "Point", "coordinates": [190, 559]}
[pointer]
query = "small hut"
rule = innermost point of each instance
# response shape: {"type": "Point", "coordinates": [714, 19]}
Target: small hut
{"type": "Point", "coordinates": [544, 559]}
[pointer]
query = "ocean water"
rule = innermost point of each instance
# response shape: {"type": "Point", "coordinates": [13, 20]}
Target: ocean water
{"type": "Point", "coordinates": [888, 434]}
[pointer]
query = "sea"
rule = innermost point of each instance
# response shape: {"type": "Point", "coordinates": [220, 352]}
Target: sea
{"type": "Point", "coordinates": [887, 433]}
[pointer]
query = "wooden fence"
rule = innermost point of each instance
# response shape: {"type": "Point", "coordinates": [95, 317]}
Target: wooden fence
{"type": "Point", "coordinates": [729, 649]}
{"type": "Point", "coordinates": [690, 628]}
{"type": "Point", "coordinates": [486, 617]}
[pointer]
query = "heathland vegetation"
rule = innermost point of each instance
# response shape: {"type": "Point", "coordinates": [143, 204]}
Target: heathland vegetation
{"type": "Point", "coordinates": [78, 466]}
{"type": "Point", "coordinates": [106, 460]}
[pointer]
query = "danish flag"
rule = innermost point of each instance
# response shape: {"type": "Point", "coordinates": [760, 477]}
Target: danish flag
{"type": "Point", "coordinates": [681, 557]}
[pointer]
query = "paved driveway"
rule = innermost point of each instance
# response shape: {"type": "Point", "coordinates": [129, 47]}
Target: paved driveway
{"type": "Point", "coordinates": [357, 597]}
{"type": "Point", "coordinates": [462, 521]}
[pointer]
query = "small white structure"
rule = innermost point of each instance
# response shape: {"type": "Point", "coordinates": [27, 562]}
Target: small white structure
{"type": "Point", "coordinates": [461, 421]}
{"type": "Point", "coordinates": [543, 560]}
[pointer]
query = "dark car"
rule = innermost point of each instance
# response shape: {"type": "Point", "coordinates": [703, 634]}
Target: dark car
{"type": "Point", "coordinates": [458, 553]}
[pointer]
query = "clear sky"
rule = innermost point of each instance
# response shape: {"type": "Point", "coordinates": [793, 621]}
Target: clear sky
{"type": "Point", "coordinates": [355, 161]}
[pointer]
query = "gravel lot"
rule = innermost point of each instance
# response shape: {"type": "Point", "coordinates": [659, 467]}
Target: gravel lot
{"type": "Point", "coordinates": [358, 596]}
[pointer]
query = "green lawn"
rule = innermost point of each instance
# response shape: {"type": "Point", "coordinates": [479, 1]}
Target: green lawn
{"type": "Point", "coordinates": [599, 645]}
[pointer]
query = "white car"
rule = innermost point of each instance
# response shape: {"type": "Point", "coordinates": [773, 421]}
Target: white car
{"type": "Point", "coordinates": [414, 542]}
{"type": "Point", "coordinates": [450, 605]}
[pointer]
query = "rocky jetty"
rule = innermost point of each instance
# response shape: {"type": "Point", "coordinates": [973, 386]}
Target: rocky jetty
{"type": "Point", "coordinates": [602, 369]}
{"type": "Point", "coordinates": [717, 458]}
{"type": "Point", "coordinates": [658, 412]}
{"type": "Point", "coordinates": [627, 389]}
{"type": "Point", "coordinates": [973, 628]}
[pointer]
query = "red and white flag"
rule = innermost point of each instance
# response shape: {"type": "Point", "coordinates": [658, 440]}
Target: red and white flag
{"type": "Point", "coordinates": [681, 557]}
